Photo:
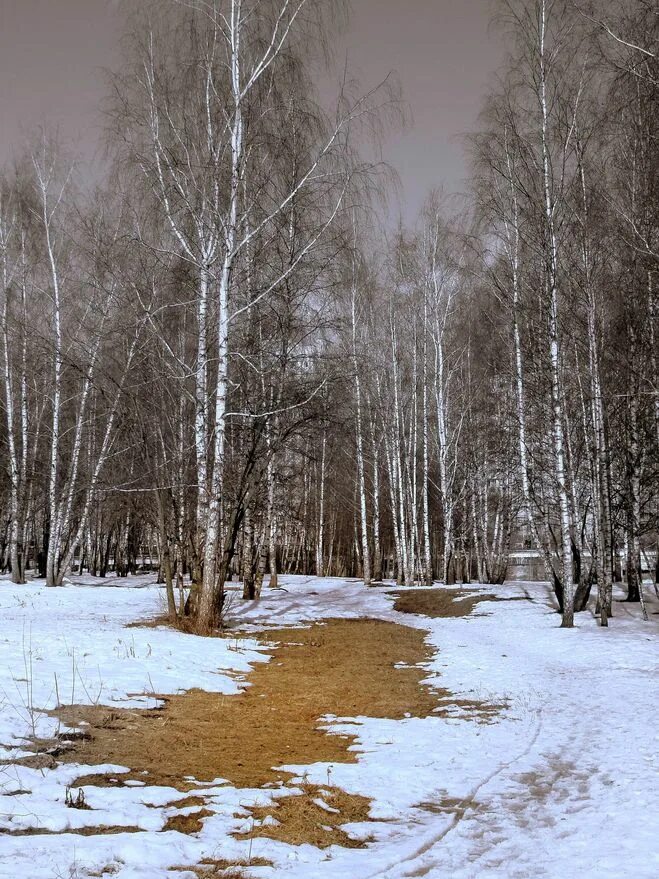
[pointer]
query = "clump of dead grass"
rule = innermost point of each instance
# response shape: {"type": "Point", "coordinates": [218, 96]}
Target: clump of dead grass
{"type": "Point", "coordinates": [93, 830]}
{"type": "Point", "coordinates": [220, 867]}
{"type": "Point", "coordinates": [190, 823]}
{"type": "Point", "coordinates": [438, 603]}
{"type": "Point", "coordinates": [314, 816]}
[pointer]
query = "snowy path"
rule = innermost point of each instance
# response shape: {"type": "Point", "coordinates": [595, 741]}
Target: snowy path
{"type": "Point", "coordinates": [563, 783]}
{"type": "Point", "coordinates": [567, 783]}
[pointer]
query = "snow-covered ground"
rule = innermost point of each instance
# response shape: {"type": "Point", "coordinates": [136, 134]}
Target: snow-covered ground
{"type": "Point", "coordinates": [564, 783]}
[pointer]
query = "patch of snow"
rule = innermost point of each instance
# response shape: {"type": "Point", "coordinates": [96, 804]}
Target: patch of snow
{"type": "Point", "coordinates": [562, 782]}
{"type": "Point", "coordinates": [323, 805]}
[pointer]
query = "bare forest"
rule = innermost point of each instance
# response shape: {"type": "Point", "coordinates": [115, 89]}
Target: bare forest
{"type": "Point", "coordinates": [221, 363]}
{"type": "Point", "coordinates": [329, 535]}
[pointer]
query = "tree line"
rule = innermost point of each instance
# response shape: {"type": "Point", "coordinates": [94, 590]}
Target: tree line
{"type": "Point", "coordinates": [223, 361]}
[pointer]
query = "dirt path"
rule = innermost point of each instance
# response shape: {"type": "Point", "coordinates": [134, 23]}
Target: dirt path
{"type": "Point", "coordinates": [342, 667]}
{"type": "Point", "coordinates": [345, 668]}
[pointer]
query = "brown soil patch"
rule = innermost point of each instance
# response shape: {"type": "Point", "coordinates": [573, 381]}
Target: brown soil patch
{"type": "Point", "coordinates": [437, 603]}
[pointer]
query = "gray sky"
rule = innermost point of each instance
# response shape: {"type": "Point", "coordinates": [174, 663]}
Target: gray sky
{"type": "Point", "coordinates": [52, 53]}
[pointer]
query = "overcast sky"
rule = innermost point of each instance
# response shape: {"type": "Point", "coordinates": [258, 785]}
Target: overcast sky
{"type": "Point", "coordinates": [52, 53]}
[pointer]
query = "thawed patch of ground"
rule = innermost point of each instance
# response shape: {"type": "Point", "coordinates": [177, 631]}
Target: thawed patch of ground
{"type": "Point", "coordinates": [443, 603]}
{"type": "Point", "coordinates": [223, 869]}
{"type": "Point", "coordinates": [314, 816]}
{"type": "Point", "coordinates": [339, 667]}
{"type": "Point", "coordinates": [344, 668]}
{"type": "Point", "coordinates": [434, 738]}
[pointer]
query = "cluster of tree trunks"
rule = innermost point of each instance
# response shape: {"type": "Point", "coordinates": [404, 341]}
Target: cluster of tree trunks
{"type": "Point", "coordinates": [223, 365]}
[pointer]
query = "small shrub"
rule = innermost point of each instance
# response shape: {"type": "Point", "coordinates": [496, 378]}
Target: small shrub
{"type": "Point", "coordinates": [75, 802]}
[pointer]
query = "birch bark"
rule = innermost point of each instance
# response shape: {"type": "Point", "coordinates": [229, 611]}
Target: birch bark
{"type": "Point", "coordinates": [361, 475]}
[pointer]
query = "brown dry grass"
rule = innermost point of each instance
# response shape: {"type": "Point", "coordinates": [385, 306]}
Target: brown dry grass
{"type": "Point", "coordinates": [302, 819]}
{"type": "Point", "coordinates": [96, 830]}
{"type": "Point", "coordinates": [222, 868]}
{"type": "Point", "coordinates": [193, 822]}
{"type": "Point", "coordinates": [439, 602]}
{"type": "Point", "coordinates": [344, 667]}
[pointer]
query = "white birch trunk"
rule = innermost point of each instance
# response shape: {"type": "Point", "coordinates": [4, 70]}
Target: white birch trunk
{"type": "Point", "coordinates": [212, 589]}
{"type": "Point", "coordinates": [427, 553]}
{"type": "Point", "coordinates": [361, 476]}
{"type": "Point", "coordinates": [47, 214]}
{"type": "Point", "coordinates": [17, 574]}
{"type": "Point", "coordinates": [320, 541]}
{"type": "Point", "coordinates": [551, 281]}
